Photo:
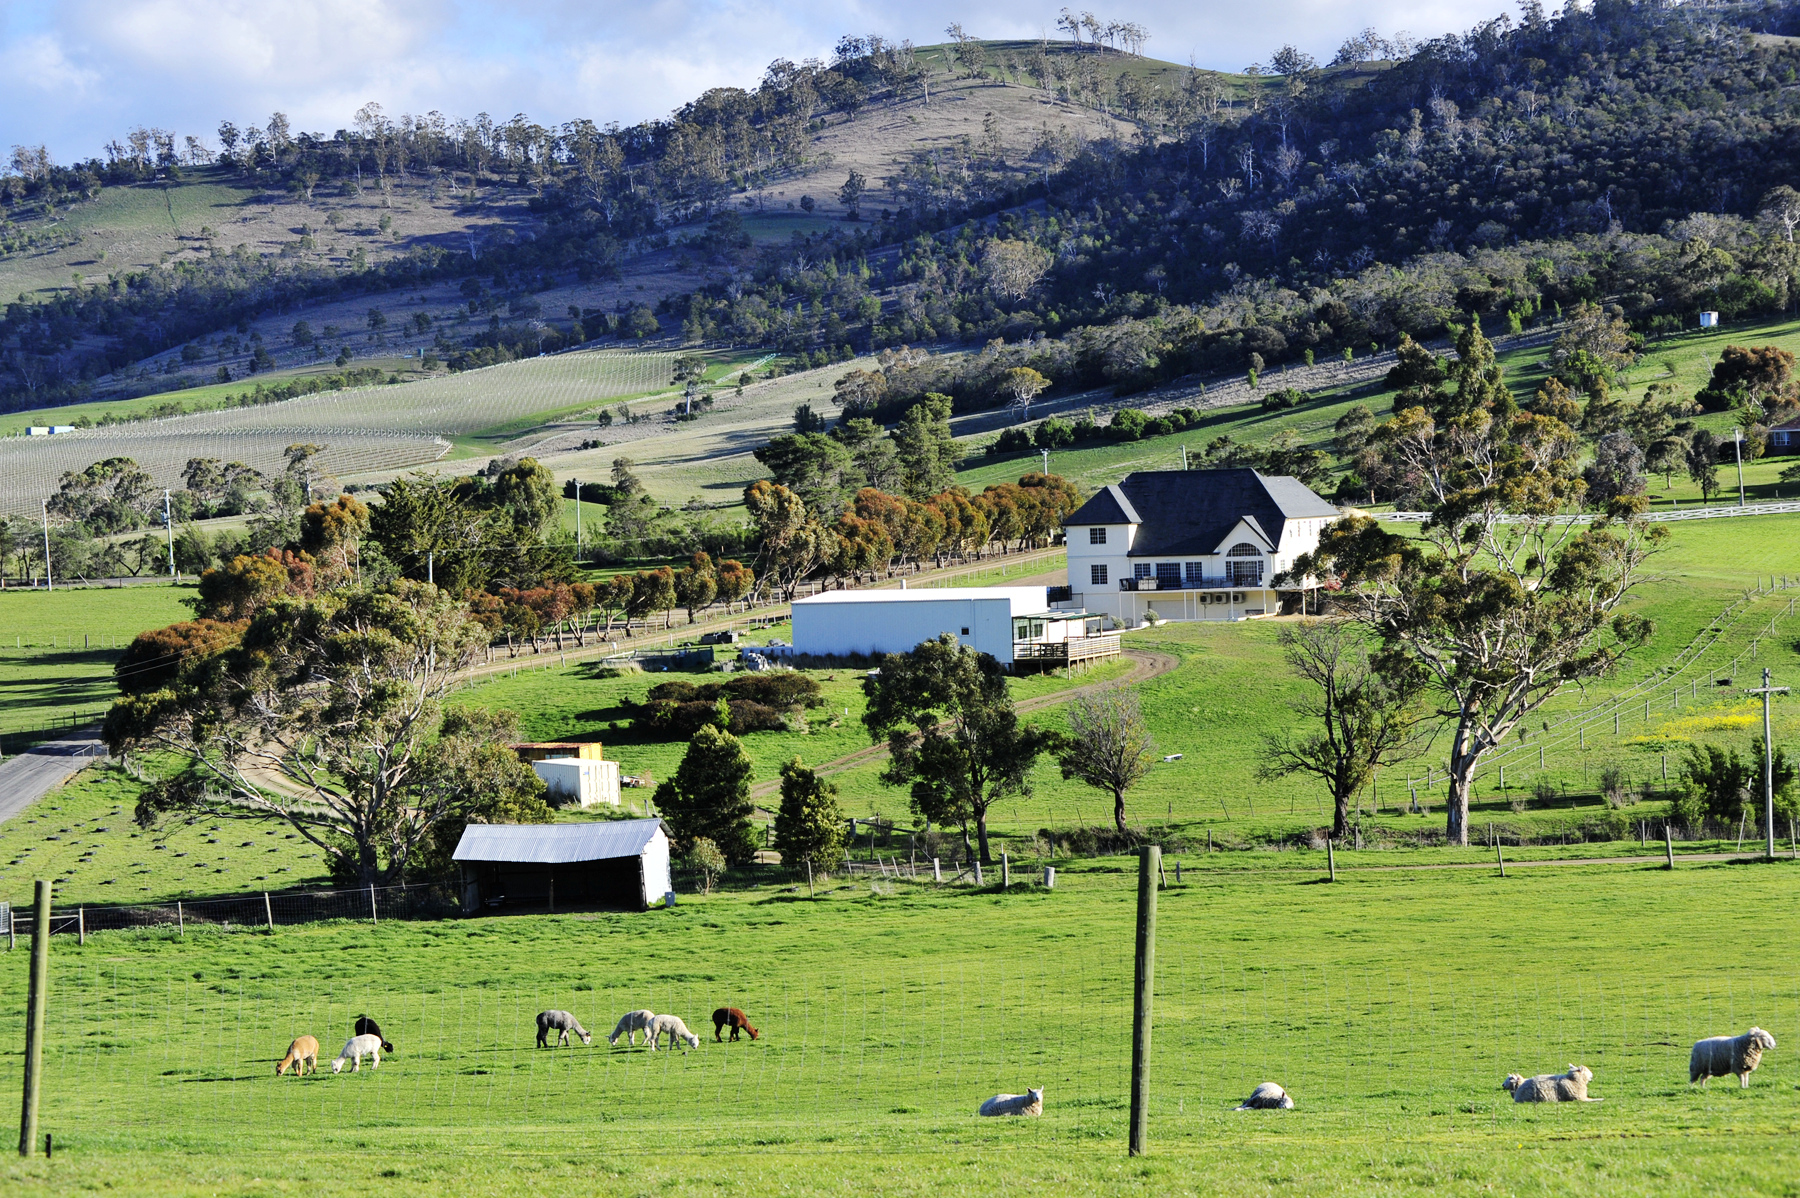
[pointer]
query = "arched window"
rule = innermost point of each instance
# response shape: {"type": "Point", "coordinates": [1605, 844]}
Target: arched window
{"type": "Point", "coordinates": [1243, 549]}
{"type": "Point", "coordinates": [1242, 573]}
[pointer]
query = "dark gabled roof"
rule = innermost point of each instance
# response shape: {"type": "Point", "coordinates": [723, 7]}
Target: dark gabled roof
{"type": "Point", "coordinates": [1108, 506]}
{"type": "Point", "coordinates": [1191, 512]}
{"type": "Point", "coordinates": [1787, 426]}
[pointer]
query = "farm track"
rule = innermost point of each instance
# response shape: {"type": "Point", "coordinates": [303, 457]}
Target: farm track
{"type": "Point", "coordinates": [1146, 664]}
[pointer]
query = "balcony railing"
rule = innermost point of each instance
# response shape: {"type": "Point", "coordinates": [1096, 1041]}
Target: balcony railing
{"type": "Point", "coordinates": [1081, 648]}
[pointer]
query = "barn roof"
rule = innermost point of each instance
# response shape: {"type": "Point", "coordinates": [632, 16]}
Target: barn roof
{"type": "Point", "coordinates": [556, 844]}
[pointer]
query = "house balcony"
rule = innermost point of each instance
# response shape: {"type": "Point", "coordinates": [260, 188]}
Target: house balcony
{"type": "Point", "coordinates": [1050, 655]}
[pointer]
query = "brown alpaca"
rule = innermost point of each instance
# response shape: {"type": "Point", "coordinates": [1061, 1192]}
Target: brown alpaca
{"type": "Point", "coordinates": [733, 1018]}
{"type": "Point", "coordinates": [302, 1050]}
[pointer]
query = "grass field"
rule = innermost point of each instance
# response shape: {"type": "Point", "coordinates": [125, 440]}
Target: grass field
{"type": "Point", "coordinates": [1390, 1005]}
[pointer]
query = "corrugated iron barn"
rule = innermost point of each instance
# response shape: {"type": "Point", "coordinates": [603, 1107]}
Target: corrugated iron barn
{"type": "Point", "coordinates": [620, 864]}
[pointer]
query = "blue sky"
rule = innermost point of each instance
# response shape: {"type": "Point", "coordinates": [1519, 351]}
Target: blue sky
{"type": "Point", "coordinates": [78, 72]}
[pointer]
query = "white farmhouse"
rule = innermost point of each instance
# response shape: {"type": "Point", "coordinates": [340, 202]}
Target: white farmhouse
{"type": "Point", "coordinates": [1191, 545]}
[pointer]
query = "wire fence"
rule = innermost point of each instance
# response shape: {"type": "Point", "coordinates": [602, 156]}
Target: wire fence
{"type": "Point", "coordinates": [1369, 1052]}
{"type": "Point", "coordinates": [263, 909]}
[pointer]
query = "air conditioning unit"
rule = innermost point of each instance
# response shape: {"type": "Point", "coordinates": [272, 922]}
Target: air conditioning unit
{"type": "Point", "coordinates": [1237, 596]}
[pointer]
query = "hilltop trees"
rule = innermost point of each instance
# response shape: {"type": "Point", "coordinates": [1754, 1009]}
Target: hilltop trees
{"type": "Point", "coordinates": [1500, 604]}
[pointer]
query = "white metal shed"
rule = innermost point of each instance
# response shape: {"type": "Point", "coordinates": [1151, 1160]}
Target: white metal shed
{"type": "Point", "coordinates": [610, 863]}
{"type": "Point", "coordinates": [839, 623]}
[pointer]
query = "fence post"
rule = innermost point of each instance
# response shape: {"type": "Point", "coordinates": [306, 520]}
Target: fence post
{"type": "Point", "coordinates": [1499, 856]}
{"type": "Point", "coordinates": [36, 999]}
{"type": "Point", "coordinates": [268, 911]}
{"type": "Point", "coordinates": [1049, 877]}
{"type": "Point", "coordinates": [180, 921]}
{"type": "Point", "coordinates": [978, 879]}
{"type": "Point", "coordinates": [1331, 858]}
{"type": "Point", "coordinates": [1669, 845]}
{"type": "Point", "coordinates": [373, 918]}
{"type": "Point", "coordinates": [81, 925]}
{"type": "Point", "coordinates": [937, 872]}
{"type": "Point", "coordinates": [12, 929]}
{"type": "Point", "coordinates": [1005, 872]}
{"type": "Point", "coordinates": [1143, 989]}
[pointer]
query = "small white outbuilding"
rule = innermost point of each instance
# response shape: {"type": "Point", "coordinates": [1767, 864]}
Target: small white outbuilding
{"type": "Point", "coordinates": [842, 623]}
{"type": "Point", "coordinates": [607, 863]}
{"type": "Point", "coordinates": [579, 781]}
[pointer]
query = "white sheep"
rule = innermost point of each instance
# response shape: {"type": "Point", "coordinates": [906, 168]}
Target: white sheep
{"type": "Point", "coordinates": [1267, 1097]}
{"type": "Point", "coordinates": [354, 1051]}
{"type": "Point", "coordinates": [1552, 1087]}
{"type": "Point", "coordinates": [1720, 1055]}
{"type": "Point", "coordinates": [629, 1025]}
{"type": "Point", "coordinates": [676, 1030]}
{"type": "Point", "coordinates": [1029, 1103]}
{"type": "Point", "coordinates": [562, 1023]}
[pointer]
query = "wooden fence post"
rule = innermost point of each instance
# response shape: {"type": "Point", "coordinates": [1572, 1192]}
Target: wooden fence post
{"type": "Point", "coordinates": [1143, 990]}
{"type": "Point", "coordinates": [1669, 845]}
{"type": "Point", "coordinates": [1500, 856]}
{"type": "Point", "coordinates": [81, 925]}
{"type": "Point", "coordinates": [373, 918]}
{"type": "Point", "coordinates": [180, 920]}
{"type": "Point", "coordinates": [1330, 859]}
{"type": "Point", "coordinates": [1005, 872]}
{"type": "Point", "coordinates": [937, 871]}
{"type": "Point", "coordinates": [36, 999]}
{"type": "Point", "coordinates": [1049, 877]}
{"type": "Point", "coordinates": [268, 911]}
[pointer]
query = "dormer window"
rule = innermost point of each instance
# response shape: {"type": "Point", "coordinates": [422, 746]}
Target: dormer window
{"type": "Point", "coordinates": [1096, 536]}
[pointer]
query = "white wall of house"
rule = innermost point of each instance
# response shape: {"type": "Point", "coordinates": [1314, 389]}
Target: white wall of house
{"type": "Point", "coordinates": [1215, 586]}
{"type": "Point", "coordinates": [871, 622]}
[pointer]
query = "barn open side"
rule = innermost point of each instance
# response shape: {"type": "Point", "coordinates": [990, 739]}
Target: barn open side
{"type": "Point", "coordinates": [615, 864]}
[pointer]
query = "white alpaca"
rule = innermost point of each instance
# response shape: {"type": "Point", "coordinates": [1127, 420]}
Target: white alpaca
{"type": "Point", "coordinates": [629, 1025]}
{"type": "Point", "coordinates": [1719, 1055]}
{"type": "Point", "coordinates": [1267, 1097]}
{"type": "Point", "coordinates": [676, 1030]}
{"type": "Point", "coordinates": [1029, 1103]}
{"type": "Point", "coordinates": [1552, 1087]}
{"type": "Point", "coordinates": [354, 1051]}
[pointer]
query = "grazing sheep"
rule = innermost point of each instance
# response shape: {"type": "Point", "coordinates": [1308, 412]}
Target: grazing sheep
{"type": "Point", "coordinates": [1267, 1097]}
{"type": "Point", "coordinates": [1729, 1054]}
{"type": "Point", "coordinates": [676, 1029]}
{"type": "Point", "coordinates": [302, 1050]}
{"type": "Point", "coordinates": [1552, 1087]}
{"type": "Point", "coordinates": [368, 1027]}
{"type": "Point", "coordinates": [562, 1023]}
{"type": "Point", "coordinates": [630, 1024]}
{"type": "Point", "coordinates": [733, 1018]}
{"type": "Point", "coordinates": [1029, 1103]}
{"type": "Point", "coordinates": [355, 1049]}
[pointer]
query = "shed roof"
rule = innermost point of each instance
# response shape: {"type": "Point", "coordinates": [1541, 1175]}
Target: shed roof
{"type": "Point", "coordinates": [1191, 512]}
{"type": "Point", "coordinates": [556, 844]}
{"type": "Point", "coordinates": [925, 595]}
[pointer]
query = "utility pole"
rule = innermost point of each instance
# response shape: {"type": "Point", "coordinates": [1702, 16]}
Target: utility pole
{"type": "Point", "coordinates": [1768, 758]}
{"type": "Point", "coordinates": [169, 524]}
{"type": "Point", "coordinates": [49, 585]}
{"type": "Point", "coordinates": [34, 1019]}
{"type": "Point", "coordinates": [1046, 461]}
{"type": "Point", "coordinates": [577, 483]}
{"type": "Point", "coordinates": [1143, 988]}
{"type": "Point", "coordinates": [1737, 442]}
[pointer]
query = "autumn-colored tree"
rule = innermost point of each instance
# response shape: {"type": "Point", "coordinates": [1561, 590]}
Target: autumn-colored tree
{"type": "Point", "coordinates": [157, 657]}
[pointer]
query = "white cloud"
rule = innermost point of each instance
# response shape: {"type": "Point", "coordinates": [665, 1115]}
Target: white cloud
{"type": "Point", "coordinates": [82, 71]}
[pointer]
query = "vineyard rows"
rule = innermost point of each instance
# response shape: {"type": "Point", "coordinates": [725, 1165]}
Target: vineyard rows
{"type": "Point", "coordinates": [365, 430]}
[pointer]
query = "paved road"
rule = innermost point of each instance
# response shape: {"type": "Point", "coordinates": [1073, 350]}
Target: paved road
{"type": "Point", "coordinates": [29, 776]}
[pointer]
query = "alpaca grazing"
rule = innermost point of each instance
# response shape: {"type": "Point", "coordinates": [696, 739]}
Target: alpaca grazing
{"type": "Point", "coordinates": [1029, 1103]}
{"type": "Point", "coordinates": [677, 1031]}
{"type": "Point", "coordinates": [355, 1049]}
{"type": "Point", "coordinates": [302, 1050]}
{"type": "Point", "coordinates": [562, 1023]}
{"type": "Point", "coordinates": [629, 1025]}
{"type": "Point", "coordinates": [1267, 1097]}
{"type": "Point", "coordinates": [733, 1018]}
{"type": "Point", "coordinates": [1552, 1087]}
{"type": "Point", "coordinates": [368, 1027]}
{"type": "Point", "coordinates": [1729, 1054]}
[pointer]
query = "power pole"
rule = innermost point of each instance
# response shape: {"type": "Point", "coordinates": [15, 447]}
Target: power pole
{"type": "Point", "coordinates": [1046, 461]}
{"type": "Point", "coordinates": [169, 524]}
{"type": "Point", "coordinates": [1768, 758]}
{"type": "Point", "coordinates": [34, 1019]}
{"type": "Point", "coordinates": [1737, 442]}
{"type": "Point", "coordinates": [577, 483]}
{"type": "Point", "coordinates": [1144, 987]}
{"type": "Point", "coordinates": [49, 585]}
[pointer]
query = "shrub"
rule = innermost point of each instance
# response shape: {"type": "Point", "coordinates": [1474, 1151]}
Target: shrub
{"type": "Point", "coordinates": [1544, 791]}
{"type": "Point", "coordinates": [1615, 787]}
{"type": "Point", "coordinates": [1287, 397]}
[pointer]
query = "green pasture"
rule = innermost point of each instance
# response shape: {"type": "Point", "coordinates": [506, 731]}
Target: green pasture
{"type": "Point", "coordinates": [1389, 1004]}
{"type": "Point", "coordinates": [57, 649]}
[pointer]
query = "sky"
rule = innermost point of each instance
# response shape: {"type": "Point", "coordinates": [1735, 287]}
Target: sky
{"type": "Point", "coordinates": [78, 73]}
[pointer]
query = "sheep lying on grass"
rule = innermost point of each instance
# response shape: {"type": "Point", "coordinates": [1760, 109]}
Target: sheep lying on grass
{"type": "Point", "coordinates": [629, 1025]}
{"type": "Point", "coordinates": [1552, 1087]}
{"type": "Point", "coordinates": [562, 1023]}
{"type": "Point", "coordinates": [302, 1050]}
{"type": "Point", "coordinates": [355, 1049]}
{"type": "Point", "coordinates": [1267, 1097]}
{"type": "Point", "coordinates": [1720, 1055]}
{"type": "Point", "coordinates": [1029, 1103]}
{"type": "Point", "coordinates": [676, 1030]}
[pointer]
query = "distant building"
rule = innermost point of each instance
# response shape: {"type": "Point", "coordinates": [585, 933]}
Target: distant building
{"type": "Point", "coordinates": [573, 771]}
{"type": "Point", "coordinates": [1709, 320]}
{"type": "Point", "coordinates": [1785, 437]}
{"type": "Point", "coordinates": [1191, 545]}
{"type": "Point", "coordinates": [611, 863]}
{"type": "Point", "coordinates": [1014, 625]}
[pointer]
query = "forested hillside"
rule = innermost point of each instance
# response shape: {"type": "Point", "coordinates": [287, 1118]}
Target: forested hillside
{"type": "Point", "coordinates": [1630, 154]}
